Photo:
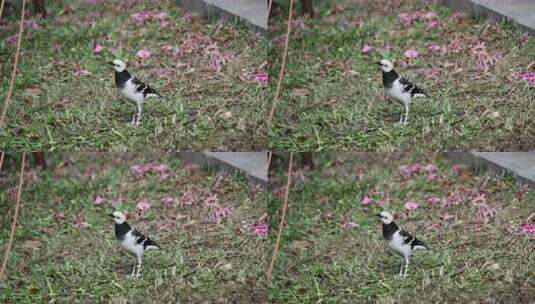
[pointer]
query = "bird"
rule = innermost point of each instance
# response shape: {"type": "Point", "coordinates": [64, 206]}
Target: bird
{"type": "Point", "coordinates": [399, 240]}
{"type": "Point", "coordinates": [399, 88]}
{"type": "Point", "coordinates": [132, 240]}
{"type": "Point", "coordinates": [133, 89]}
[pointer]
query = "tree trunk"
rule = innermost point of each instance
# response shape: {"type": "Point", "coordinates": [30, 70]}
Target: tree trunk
{"type": "Point", "coordinates": [39, 7]}
{"type": "Point", "coordinates": [308, 8]}
{"type": "Point", "coordinates": [40, 159]}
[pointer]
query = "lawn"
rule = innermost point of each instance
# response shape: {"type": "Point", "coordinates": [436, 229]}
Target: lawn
{"type": "Point", "coordinates": [332, 95]}
{"type": "Point", "coordinates": [332, 249]}
{"type": "Point", "coordinates": [65, 249]}
{"type": "Point", "coordinates": [65, 96]}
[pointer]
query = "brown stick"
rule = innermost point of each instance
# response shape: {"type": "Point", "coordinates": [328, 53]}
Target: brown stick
{"type": "Point", "coordinates": [1, 160]}
{"type": "Point", "coordinates": [1, 8]}
{"type": "Point", "coordinates": [269, 156]}
{"type": "Point", "coordinates": [283, 217]}
{"type": "Point", "coordinates": [283, 65]}
{"type": "Point", "coordinates": [14, 72]}
{"type": "Point", "coordinates": [270, 2]}
{"type": "Point", "coordinates": [14, 223]}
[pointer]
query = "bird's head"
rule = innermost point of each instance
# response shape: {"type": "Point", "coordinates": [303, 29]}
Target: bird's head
{"type": "Point", "coordinates": [118, 217]}
{"type": "Point", "coordinates": [385, 217]}
{"type": "Point", "coordinates": [386, 65]}
{"type": "Point", "coordinates": [117, 65]}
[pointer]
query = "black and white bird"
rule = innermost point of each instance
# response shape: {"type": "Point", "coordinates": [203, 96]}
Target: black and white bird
{"type": "Point", "coordinates": [399, 88]}
{"type": "Point", "coordinates": [133, 89]}
{"type": "Point", "coordinates": [132, 240]}
{"type": "Point", "coordinates": [399, 240]}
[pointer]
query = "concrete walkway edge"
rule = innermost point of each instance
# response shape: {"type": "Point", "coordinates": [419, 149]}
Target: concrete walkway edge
{"type": "Point", "coordinates": [252, 12]}
{"type": "Point", "coordinates": [521, 13]}
{"type": "Point", "coordinates": [520, 165]}
{"type": "Point", "coordinates": [253, 165]}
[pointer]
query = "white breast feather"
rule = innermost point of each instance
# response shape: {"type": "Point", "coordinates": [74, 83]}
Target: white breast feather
{"type": "Point", "coordinates": [397, 91]}
{"type": "Point", "coordinates": [129, 243]}
{"type": "Point", "coordinates": [129, 91]}
{"type": "Point", "coordinates": [396, 243]}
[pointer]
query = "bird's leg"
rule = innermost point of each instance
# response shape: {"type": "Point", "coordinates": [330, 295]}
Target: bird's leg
{"type": "Point", "coordinates": [401, 270]}
{"type": "Point", "coordinates": [133, 119]}
{"type": "Point", "coordinates": [138, 113]}
{"type": "Point", "coordinates": [406, 113]}
{"type": "Point", "coordinates": [138, 266]}
{"type": "Point", "coordinates": [406, 266]}
{"type": "Point", "coordinates": [134, 268]}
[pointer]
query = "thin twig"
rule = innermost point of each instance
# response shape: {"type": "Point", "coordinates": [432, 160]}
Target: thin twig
{"type": "Point", "coordinates": [268, 9]}
{"type": "Point", "coordinates": [269, 156]}
{"type": "Point", "coordinates": [283, 65]}
{"type": "Point", "coordinates": [15, 63]}
{"type": "Point", "coordinates": [1, 160]}
{"type": "Point", "coordinates": [14, 223]}
{"type": "Point", "coordinates": [281, 222]}
{"type": "Point", "coordinates": [1, 9]}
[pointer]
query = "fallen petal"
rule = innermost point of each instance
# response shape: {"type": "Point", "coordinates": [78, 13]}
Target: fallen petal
{"type": "Point", "coordinates": [411, 205]}
{"type": "Point", "coordinates": [411, 54]}
{"type": "Point", "coordinates": [143, 54]}
{"type": "Point", "coordinates": [143, 205]}
{"type": "Point", "coordinates": [98, 200]}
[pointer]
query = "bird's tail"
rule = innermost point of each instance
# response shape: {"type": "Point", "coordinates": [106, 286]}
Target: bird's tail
{"type": "Point", "coordinates": [419, 92]}
{"type": "Point", "coordinates": [153, 247]}
{"type": "Point", "coordinates": [153, 93]}
{"type": "Point", "coordinates": [420, 245]}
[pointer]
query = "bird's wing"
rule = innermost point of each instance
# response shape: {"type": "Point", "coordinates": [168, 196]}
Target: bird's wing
{"type": "Point", "coordinates": [411, 88]}
{"type": "Point", "coordinates": [411, 240]}
{"type": "Point", "coordinates": [143, 240]}
{"type": "Point", "coordinates": [144, 88]}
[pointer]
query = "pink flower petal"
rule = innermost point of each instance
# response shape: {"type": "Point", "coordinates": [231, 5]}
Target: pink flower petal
{"type": "Point", "coordinates": [143, 54]}
{"type": "Point", "coordinates": [166, 48]}
{"type": "Point", "coordinates": [98, 48]}
{"type": "Point", "coordinates": [527, 228]}
{"type": "Point", "coordinates": [433, 48]}
{"type": "Point", "coordinates": [431, 177]}
{"type": "Point", "coordinates": [411, 54]}
{"type": "Point", "coordinates": [98, 200]}
{"type": "Point", "coordinates": [259, 229]}
{"type": "Point", "coordinates": [30, 23]}
{"type": "Point", "coordinates": [429, 15]}
{"type": "Point", "coordinates": [349, 225]}
{"type": "Point", "coordinates": [433, 200]}
{"type": "Point", "coordinates": [143, 205]}
{"type": "Point", "coordinates": [259, 76]}
{"type": "Point", "coordinates": [529, 77]}
{"type": "Point", "coordinates": [411, 205]}
{"type": "Point", "coordinates": [167, 201]}
{"type": "Point", "coordinates": [430, 168]}
{"type": "Point", "coordinates": [366, 200]}
{"type": "Point", "coordinates": [381, 202]}
{"type": "Point", "coordinates": [366, 48]}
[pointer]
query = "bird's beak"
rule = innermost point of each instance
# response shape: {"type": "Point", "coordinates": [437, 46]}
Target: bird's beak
{"type": "Point", "coordinates": [378, 63]}
{"type": "Point", "coordinates": [111, 215]}
{"type": "Point", "coordinates": [110, 63]}
{"type": "Point", "coordinates": [378, 215]}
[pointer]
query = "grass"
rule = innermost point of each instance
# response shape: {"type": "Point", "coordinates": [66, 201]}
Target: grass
{"type": "Point", "coordinates": [332, 97]}
{"type": "Point", "coordinates": [332, 249]}
{"type": "Point", "coordinates": [65, 96]}
{"type": "Point", "coordinates": [55, 260]}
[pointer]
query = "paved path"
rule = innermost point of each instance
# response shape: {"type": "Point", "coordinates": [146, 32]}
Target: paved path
{"type": "Point", "coordinates": [251, 164]}
{"type": "Point", "coordinates": [252, 12]}
{"type": "Point", "coordinates": [519, 12]}
{"type": "Point", "coordinates": [521, 165]}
